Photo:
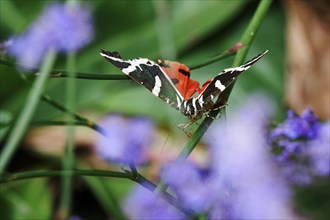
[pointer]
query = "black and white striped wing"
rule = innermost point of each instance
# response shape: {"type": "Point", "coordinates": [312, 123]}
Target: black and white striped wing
{"type": "Point", "coordinates": [225, 78]}
{"type": "Point", "coordinates": [150, 75]}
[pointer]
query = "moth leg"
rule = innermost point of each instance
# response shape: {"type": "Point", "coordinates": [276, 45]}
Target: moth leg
{"type": "Point", "coordinates": [184, 128]}
{"type": "Point", "coordinates": [207, 114]}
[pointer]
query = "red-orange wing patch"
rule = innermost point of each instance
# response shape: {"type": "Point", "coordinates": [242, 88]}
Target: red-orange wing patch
{"type": "Point", "coordinates": [180, 76]}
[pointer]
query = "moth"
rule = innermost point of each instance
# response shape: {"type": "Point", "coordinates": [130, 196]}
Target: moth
{"type": "Point", "coordinates": [170, 81]}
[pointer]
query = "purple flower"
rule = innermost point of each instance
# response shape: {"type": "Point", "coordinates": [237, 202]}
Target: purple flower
{"type": "Point", "coordinates": [294, 127]}
{"type": "Point", "coordinates": [60, 27]}
{"type": "Point", "coordinates": [246, 184]}
{"type": "Point", "coordinates": [188, 183]}
{"type": "Point", "coordinates": [143, 204]}
{"type": "Point", "coordinates": [304, 147]}
{"type": "Point", "coordinates": [127, 140]}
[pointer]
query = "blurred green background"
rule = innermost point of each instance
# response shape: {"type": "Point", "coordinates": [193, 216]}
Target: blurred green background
{"type": "Point", "coordinates": [187, 31]}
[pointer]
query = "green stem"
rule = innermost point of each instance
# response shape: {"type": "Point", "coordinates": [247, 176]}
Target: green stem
{"type": "Point", "coordinates": [251, 31]}
{"type": "Point", "coordinates": [193, 141]}
{"type": "Point", "coordinates": [221, 56]}
{"type": "Point", "coordinates": [247, 39]}
{"type": "Point", "coordinates": [5, 178]}
{"type": "Point", "coordinates": [26, 114]}
{"type": "Point", "coordinates": [52, 173]}
{"type": "Point", "coordinates": [57, 123]}
{"type": "Point", "coordinates": [90, 76]}
{"type": "Point", "coordinates": [82, 120]}
{"type": "Point", "coordinates": [64, 74]}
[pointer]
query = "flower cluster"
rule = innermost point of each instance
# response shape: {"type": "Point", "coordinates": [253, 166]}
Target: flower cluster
{"type": "Point", "coordinates": [127, 140]}
{"type": "Point", "coordinates": [60, 27]}
{"type": "Point", "coordinates": [241, 181]}
{"type": "Point", "coordinates": [297, 127]}
{"type": "Point", "coordinates": [301, 146]}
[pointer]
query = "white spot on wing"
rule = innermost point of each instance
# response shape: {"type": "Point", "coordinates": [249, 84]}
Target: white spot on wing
{"type": "Point", "coordinates": [201, 101]}
{"type": "Point", "coordinates": [158, 85]}
{"type": "Point", "coordinates": [236, 69]}
{"type": "Point", "coordinates": [135, 64]}
{"type": "Point", "coordinates": [111, 57]}
{"type": "Point", "coordinates": [219, 85]}
{"type": "Point", "coordinates": [194, 104]}
{"type": "Point", "coordinates": [184, 104]}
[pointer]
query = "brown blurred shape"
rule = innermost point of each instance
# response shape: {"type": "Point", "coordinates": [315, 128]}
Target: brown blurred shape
{"type": "Point", "coordinates": [308, 56]}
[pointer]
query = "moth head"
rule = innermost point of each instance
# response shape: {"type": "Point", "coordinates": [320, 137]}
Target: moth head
{"type": "Point", "coordinates": [190, 110]}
